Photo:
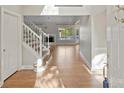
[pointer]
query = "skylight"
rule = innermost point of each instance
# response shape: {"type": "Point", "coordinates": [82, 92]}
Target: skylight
{"type": "Point", "coordinates": [68, 5]}
{"type": "Point", "coordinates": [50, 10]}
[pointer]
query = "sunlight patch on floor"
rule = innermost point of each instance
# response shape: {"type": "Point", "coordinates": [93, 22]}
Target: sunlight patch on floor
{"type": "Point", "coordinates": [48, 80]}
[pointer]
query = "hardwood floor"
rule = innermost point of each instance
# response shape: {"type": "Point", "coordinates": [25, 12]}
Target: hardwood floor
{"type": "Point", "coordinates": [66, 69]}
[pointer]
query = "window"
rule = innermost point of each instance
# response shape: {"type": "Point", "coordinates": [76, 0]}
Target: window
{"type": "Point", "coordinates": [66, 33]}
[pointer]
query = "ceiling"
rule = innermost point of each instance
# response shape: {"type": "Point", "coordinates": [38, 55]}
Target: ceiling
{"type": "Point", "coordinates": [60, 20]}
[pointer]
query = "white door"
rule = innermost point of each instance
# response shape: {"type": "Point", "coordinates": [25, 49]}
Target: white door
{"type": "Point", "coordinates": [9, 44]}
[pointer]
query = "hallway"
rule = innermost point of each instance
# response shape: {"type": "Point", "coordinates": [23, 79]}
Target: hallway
{"type": "Point", "coordinates": [66, 69]}
{"type": "Point", "coordinates": [73, 71]}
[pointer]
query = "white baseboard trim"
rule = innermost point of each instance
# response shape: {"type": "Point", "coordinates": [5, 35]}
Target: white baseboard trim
{"type": "Point", "coordinates": [1, 84]}
{"type": "Point", "coordinates": [89, 71]}
{"type": "Point", "coordinates": [85, 60]}
{"type": "Point", "coordinates": [97, 71]}
{"type": "Point", "coordinates": [28, 67]}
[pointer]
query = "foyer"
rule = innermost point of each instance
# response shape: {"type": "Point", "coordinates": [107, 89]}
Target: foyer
{"type": "Point", "coordinates": [66, 70]}
{"type": "Point", "coordinates": [72, 46]}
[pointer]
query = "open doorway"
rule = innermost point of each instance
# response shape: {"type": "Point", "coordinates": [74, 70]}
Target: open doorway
{"type": "Point", "coordinates": [64, 29]}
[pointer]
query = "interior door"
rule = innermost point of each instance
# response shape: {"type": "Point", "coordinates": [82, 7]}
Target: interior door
{"type": "Point", "coordinates": [9, 44]}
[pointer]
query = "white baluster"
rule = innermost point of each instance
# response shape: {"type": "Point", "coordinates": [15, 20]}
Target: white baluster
{"type": "Point", "coordinates": [48, 40]}
{"type": "Point", "coordinates": [23, 33]}
{"type": "Point", "coordinates": [27, 35]}
{"type": "Point", "coordinates": [36, 45]}
{"type": "Point", "coordinates": [34, 41]}
{"type": "Point", "coordinates": [31, 38]}
{"type": "Point", "coordinates": [43, 40]}
{"type": "Point", "coordinates": [40, 45]}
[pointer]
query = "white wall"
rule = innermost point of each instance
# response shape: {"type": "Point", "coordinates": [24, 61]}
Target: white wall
{"type": "Point", "coordinates": [85, 39]}
{"type": "Point", "coordinates": [99, 30]}
{"type": "Point", "coordinates": [50, 28]}
{"type": "Point", "coordinates": [0, 48]}
{"type": "Point", "coordinates": [85, 10]}
{"type": "Point", "coordinates": [32, 9]}
{"type": "Point", "coordinates": [95, 9]}
{"type": "Point", "coordinates": [29, 57]}
{"type": "Point", "coordinates": [99, 41]}
{"type": "Point", "coordinates": [73, 10]}
{"type": "Point", "coordinates": [25, 9]}
{"type": "Point", "coordinates": [14, 8]}
{"type": "Point", "coordinates": [98, 33]}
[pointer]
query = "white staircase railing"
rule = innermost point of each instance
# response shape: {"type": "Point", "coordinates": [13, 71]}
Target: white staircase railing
{"type": "Point", "coordinates": [33, 40]}
{"type": "Point", "coordinates": [35, 28]}
{"type": "Point", "coordinates": [38, 41]}
{"type": "Point", "coordinates": [38, 31]}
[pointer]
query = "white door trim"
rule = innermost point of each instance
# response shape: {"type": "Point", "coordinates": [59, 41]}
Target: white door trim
{"type": "Point", "coordinates": [19, 50]}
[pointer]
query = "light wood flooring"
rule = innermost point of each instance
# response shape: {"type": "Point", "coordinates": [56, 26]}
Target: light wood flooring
{"type": "Point", "coordinates": [66, 70]}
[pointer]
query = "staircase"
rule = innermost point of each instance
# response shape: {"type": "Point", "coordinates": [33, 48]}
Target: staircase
{"type": "Point", "coordinates": [36, 41]}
